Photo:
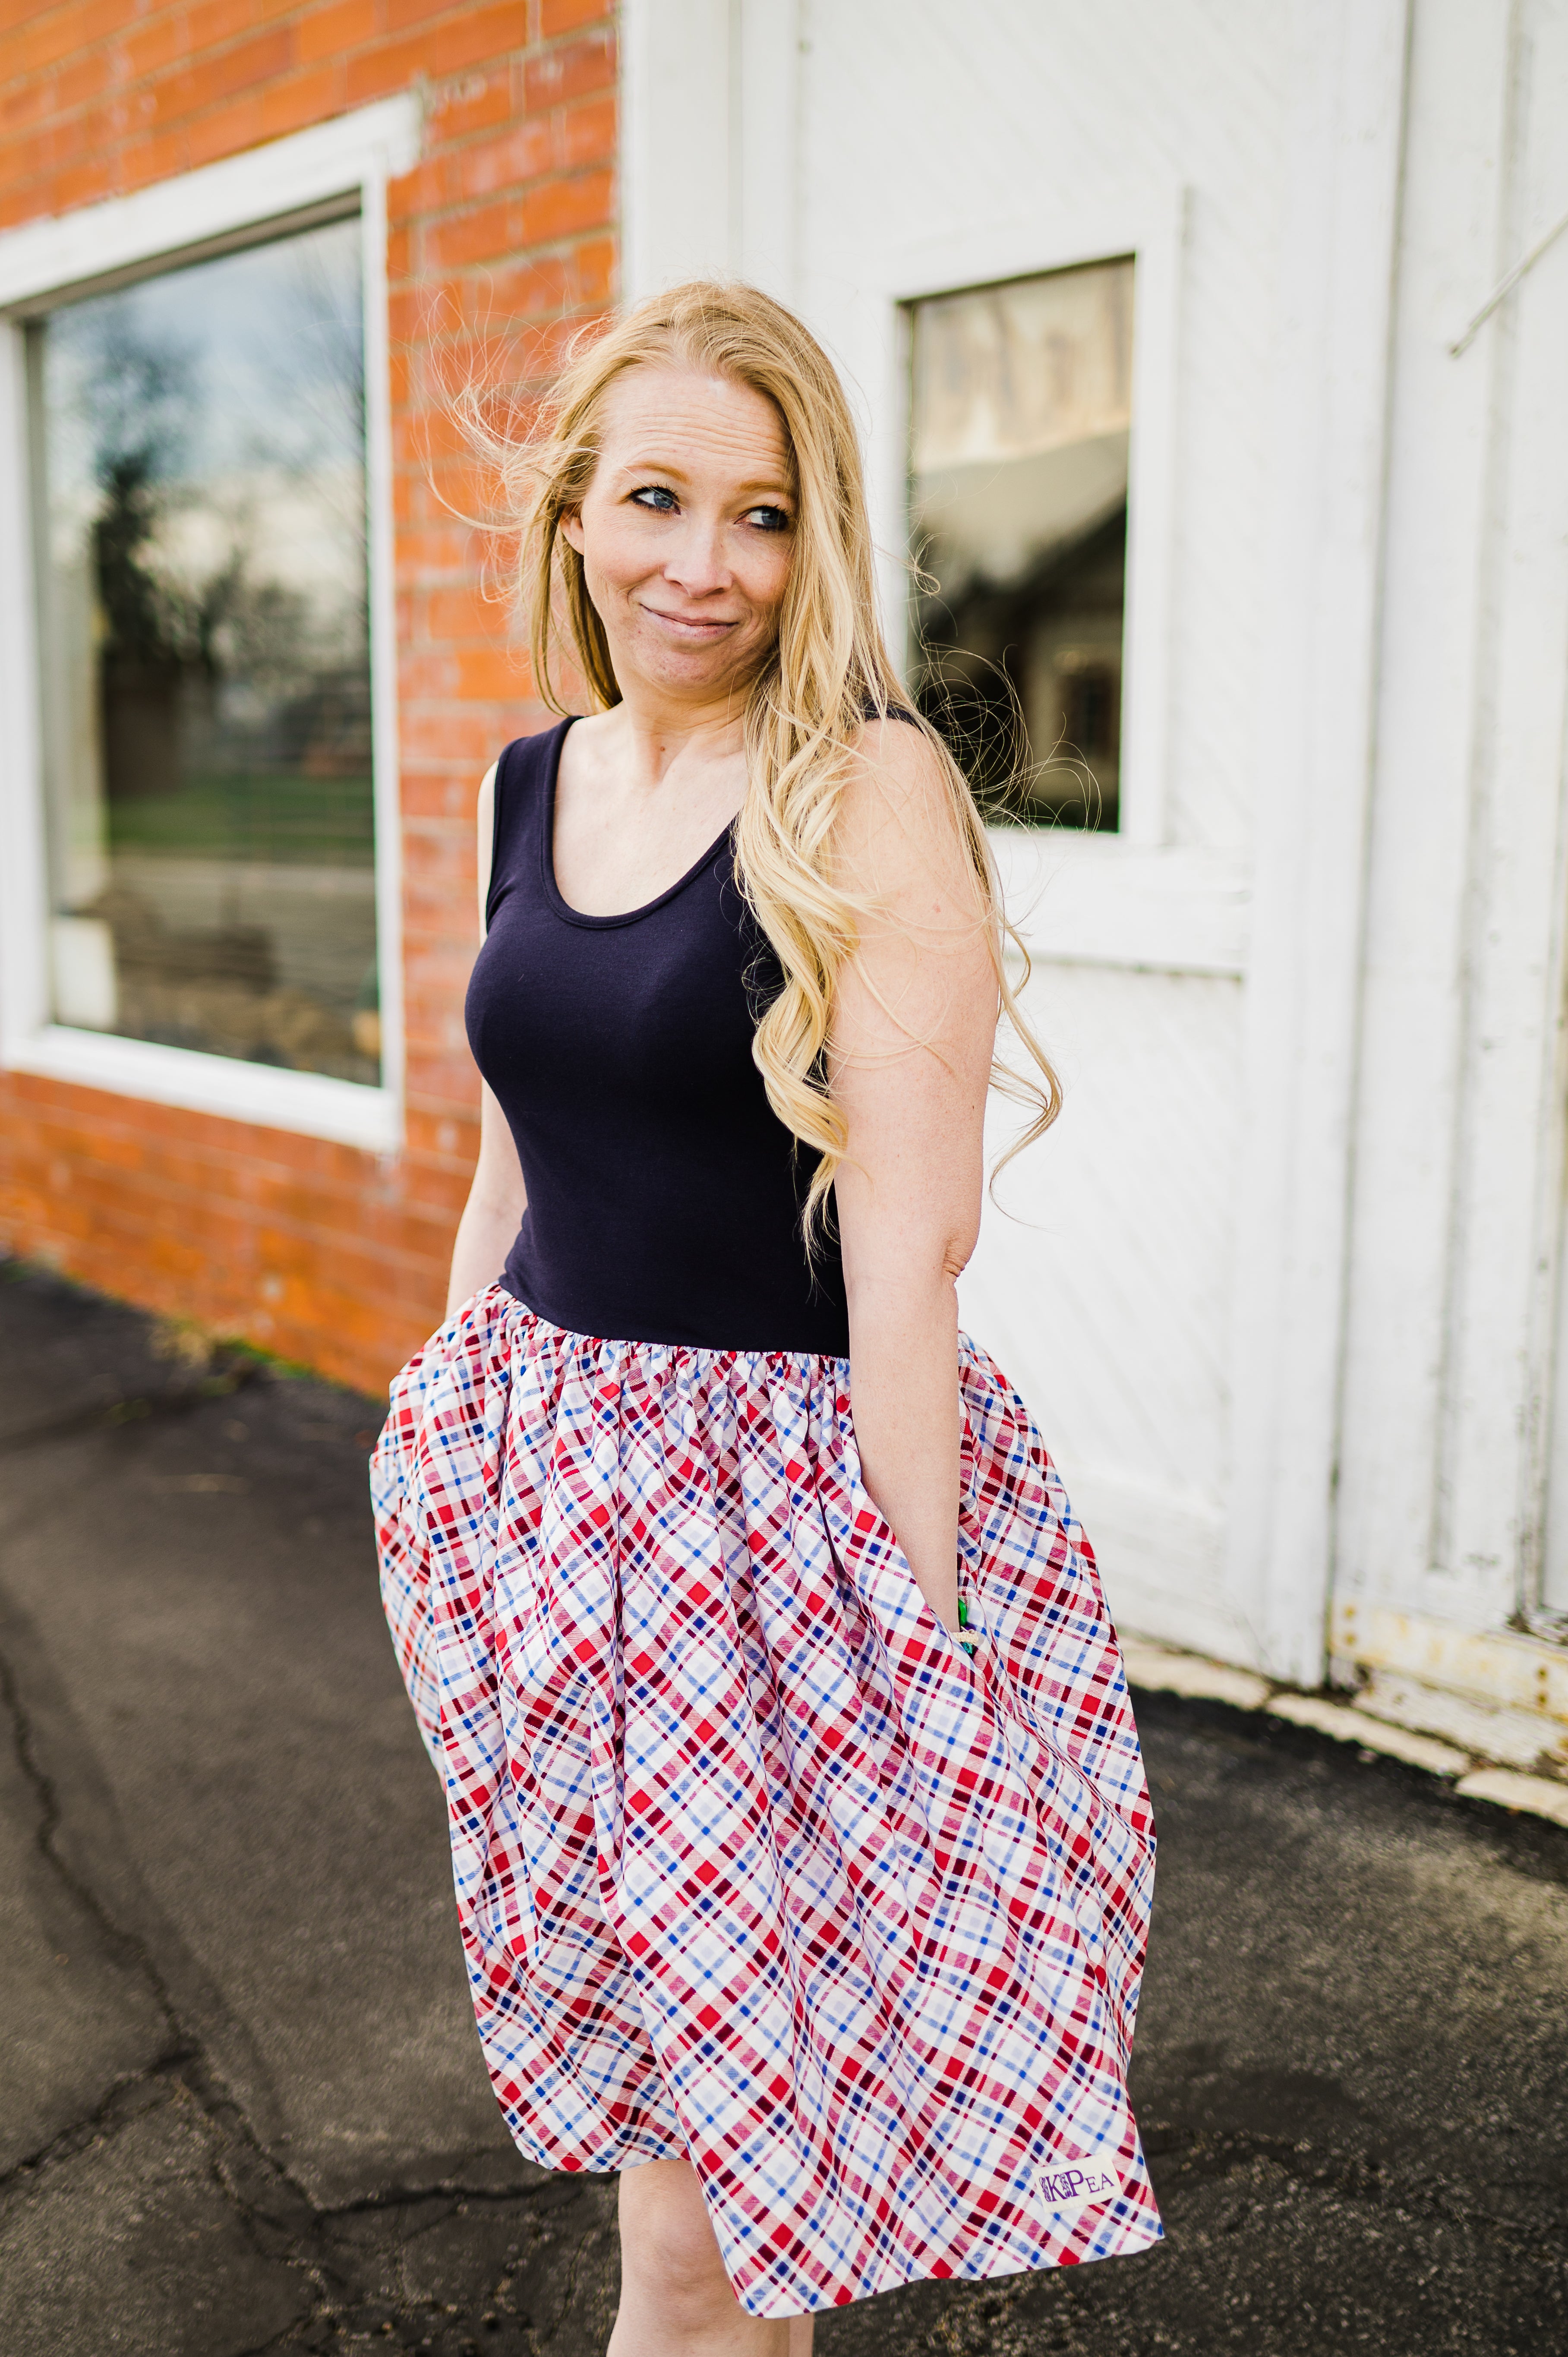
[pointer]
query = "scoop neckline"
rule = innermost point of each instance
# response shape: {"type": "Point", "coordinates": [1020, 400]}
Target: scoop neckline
{"type": "Point", "coordinates": [552, 893]}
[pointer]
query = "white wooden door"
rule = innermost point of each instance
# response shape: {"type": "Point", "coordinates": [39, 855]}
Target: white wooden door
{"type": "Point", "coordinates": [1162, 1276]}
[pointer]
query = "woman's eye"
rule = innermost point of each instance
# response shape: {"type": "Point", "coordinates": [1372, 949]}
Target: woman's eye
{"type": "Point", "coordinates": [768, 518]}
{"type": "Point", "coordinates": [657, 497]}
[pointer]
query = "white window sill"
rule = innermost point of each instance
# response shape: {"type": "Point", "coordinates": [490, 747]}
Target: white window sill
{"type": "Point", "coordinates": [1098, 900]}
{"type": "Point", "coordinates": [310, 1104]}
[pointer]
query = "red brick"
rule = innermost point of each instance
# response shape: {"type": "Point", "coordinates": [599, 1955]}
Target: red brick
{"type": "Point", "coordinates": [239, 68]}
{"type": "Point", "coordinates": [336, 30]}
{"type": "Point", "coordinates": [571, 71]}
{"type": "Point", "coordinates": [478, 102]}
{"type": "Point", "coordinates": [560, 207]}
{"type": "Point", "coordinates": [485, 166]}
{"type": "Point", "coordinates": [460, 613]}
{"type": "Point", "coordinates": [209, 23]}
{"type": "Point", "coordinates": [186, 1212]}
{"type": "Point", "coordinates": [470, 674]}
{"type": "Point", "coordinates": [588, 133]}
{"type": "Point", "coordinates": [526, 290]}
{"type": "Point", "coordinates": [472, 36]}
{"type": "Point", "coordinates": [479, 235]}
{"type": "Point", "coordinates": [453, 735]}
{"type": "Point", "coordinates": [564, 17]}
{"type": "Point", "coordinates": [44, 36]}
{"type": "Point", "coordinates": [157, 155]}
{"type": "Point", "coordinates": [303, 99]}
{"type": "Point", "coordinates": [443, 1079]}
{"type": "Point", "coordinates": [151, 47]}
{"type": "Point", "coordinates": [77, 83]}
{"type": "Point", "coordinates": [437, 550]}
{"type": "Point", "coordinates": [541, 346]}
{"type": "Point", "coordinates": [227, 130]}
{"type": "Point", "coordinates": [24, 106]}
{"type": "Point", "coordinates": [594, 264]}
{"type": "Point", "coordinates": [85, 186]}
{"type": "Point", "coordinates": [401, 16]}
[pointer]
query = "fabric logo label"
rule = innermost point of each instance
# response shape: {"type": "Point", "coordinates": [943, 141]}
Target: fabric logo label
{"type": "Point", "coordinates": [1075, 2187]}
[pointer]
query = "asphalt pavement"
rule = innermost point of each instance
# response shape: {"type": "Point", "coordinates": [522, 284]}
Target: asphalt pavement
{"type": "Point", "coordinates": [242, 2106]}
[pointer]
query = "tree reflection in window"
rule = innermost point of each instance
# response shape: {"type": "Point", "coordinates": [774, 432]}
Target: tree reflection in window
{"type": "Point", "coordinates": [1021, 413]}
{"type": "Point", "coordinates": [199, 444]}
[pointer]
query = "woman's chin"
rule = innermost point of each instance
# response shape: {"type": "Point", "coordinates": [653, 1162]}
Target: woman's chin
{"type": "Point", "coordinates": [695, 669]}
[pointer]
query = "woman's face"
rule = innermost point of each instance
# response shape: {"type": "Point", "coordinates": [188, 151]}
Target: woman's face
{"type": "Point", "coordinates": [687, 530]}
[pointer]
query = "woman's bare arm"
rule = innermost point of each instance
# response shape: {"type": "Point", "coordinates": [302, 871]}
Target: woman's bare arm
{"type": "Point", "coordinates": [497, 1200]}
{"type": "Point", "coordinates": [911, 1050]}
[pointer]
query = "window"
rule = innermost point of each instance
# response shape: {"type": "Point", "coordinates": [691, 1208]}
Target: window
{"type": "Point", "coordinates": [198, 460]}
{"type": "Point", "coordinates": [1021, 413]}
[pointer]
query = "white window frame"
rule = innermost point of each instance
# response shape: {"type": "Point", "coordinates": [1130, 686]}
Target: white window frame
{"type": "Point", "coordinates": [222, 205]}
{"type": "Point", "coordinates": [1129, 898]}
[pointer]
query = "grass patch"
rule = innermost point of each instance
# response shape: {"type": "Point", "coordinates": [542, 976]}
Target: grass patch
{"type": "Point", "coordinates": [326, 822]}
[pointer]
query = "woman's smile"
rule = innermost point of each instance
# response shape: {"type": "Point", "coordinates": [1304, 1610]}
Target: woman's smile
{"type": "Point", "coordinates": [691, 626]}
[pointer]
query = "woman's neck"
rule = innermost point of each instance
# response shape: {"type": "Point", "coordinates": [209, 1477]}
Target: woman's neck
{"type": "Point", "coordinates": [654, 732]}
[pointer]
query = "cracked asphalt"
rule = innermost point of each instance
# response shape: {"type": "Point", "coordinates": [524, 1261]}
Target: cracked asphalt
{"type": "Point", "coordinates": [241, 2106]}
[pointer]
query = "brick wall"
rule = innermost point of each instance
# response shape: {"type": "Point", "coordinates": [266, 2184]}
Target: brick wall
{"type": "Point", "coordinates": [504, 234]}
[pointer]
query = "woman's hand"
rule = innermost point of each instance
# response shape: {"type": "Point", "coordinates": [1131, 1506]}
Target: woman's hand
{"type": "Point", "coordinates": [909, 1064]}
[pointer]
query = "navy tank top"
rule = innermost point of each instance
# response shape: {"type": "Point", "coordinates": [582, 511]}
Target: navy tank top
{"type": "Point", "coordinates": [664, 1195]}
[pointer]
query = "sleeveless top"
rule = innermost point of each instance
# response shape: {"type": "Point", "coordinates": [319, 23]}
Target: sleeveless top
{"type": "Point", "coordinates": [664, 1195]}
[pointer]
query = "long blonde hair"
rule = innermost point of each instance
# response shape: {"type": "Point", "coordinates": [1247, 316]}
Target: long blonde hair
{"type": "Point", "coordinates": [829, 672]}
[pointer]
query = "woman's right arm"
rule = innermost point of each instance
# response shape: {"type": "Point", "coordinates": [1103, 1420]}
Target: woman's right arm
{"type": "Point", "coordinates": [497, 1200]}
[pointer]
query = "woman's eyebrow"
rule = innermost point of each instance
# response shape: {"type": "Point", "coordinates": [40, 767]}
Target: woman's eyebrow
{"type": "Point", "coordinates": [775, 486]}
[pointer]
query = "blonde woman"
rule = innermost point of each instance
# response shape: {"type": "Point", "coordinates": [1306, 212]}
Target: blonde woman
{"type": "Point", "coordinates": [803, 1851]}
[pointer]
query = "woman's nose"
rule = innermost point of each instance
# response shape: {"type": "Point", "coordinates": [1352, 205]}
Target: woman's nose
{"type": "Point", "coordinates": [697, 562]}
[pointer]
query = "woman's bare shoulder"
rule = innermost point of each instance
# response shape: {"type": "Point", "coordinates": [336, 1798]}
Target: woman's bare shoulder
{"type": "Point", "coordinates": [897, 813]}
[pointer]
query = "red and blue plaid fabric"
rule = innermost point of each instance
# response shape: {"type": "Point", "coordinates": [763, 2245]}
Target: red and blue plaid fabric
{"type": "Point", "coordinates": [754, 1864]}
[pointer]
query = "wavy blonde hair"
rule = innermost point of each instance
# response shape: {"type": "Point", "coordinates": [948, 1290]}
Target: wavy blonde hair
{"type": "Point", "coordinates": [827, 674]}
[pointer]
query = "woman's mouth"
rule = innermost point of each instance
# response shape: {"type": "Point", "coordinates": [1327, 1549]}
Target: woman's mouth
{"type": "Point", "coordinates": [691, 626]}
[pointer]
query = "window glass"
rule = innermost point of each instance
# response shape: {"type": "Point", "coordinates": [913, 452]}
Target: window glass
{"type": "Point", "coordinates": [1021, 410]}
{"type": "Point", "coordinates": [198, 465]}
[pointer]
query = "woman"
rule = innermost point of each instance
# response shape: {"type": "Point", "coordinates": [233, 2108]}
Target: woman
{"type": "Point", "coordinates": [803, 1888]}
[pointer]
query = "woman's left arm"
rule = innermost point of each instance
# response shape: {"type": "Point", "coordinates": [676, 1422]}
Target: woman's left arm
{"type": "Point", "coordinates": [910, 1060]}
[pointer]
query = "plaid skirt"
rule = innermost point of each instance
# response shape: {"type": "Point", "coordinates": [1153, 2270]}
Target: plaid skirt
{"type": "Point", "coordinates": [755, 1866]}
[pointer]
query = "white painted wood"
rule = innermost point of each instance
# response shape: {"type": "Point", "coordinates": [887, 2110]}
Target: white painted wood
{"type": "Point", "coordinates": [1161, 1557]}
{"type": "Point", "coordinates": [310, 1103]}
{"type": "Point", "coordinates": [1026, 138]}
{"type": "Point", "coordinates": [1410, 1114]}
{"type": "Point", "coordinates": [678, 136]}
{"type": "Point", "coordinates": [1098, 228]}
{"type": "Point", "coordinates": [1536, 1796]}
{"type": "Point", "coordinates": [24, 874]}
{"type": "Point", "coordinates": [286, 176]}
{"type": "Point", "coordinates": [1460, 1140]}
{"type": "Point", "coordinates": [387, 772]}
{"type": "Point", "coordinates": [1086, 900]}
{"type": "Point", "coordinates": [1515, 1738]}
{"type": "Point", "coordinates": [1101, 1282]}
{"type": "Point", "coordinates": [739, 70]}
{"type": "Point", "coordinates": [1282, 1287]}
{"type": "Point", "coordinates": [1511, 1172]}
{"type": "Point", "coordinates": [766, 85]}
{"type": "Point", "coordinates": [1159, 1670]}
{"type": "Point", "coordinates": [1315, 754]}
{"type": "Point", "coordinates": [1508, 1671]}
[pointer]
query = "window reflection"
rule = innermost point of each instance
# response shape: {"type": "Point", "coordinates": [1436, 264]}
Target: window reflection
{"type": "Point", "coordinates": [198, 442]}
{"type": "Point", "coordinates": [1021, 412]}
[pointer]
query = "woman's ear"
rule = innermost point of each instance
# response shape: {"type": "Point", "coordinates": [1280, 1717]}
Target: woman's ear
{"type": "Point", "coordinates": [572, 529]}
